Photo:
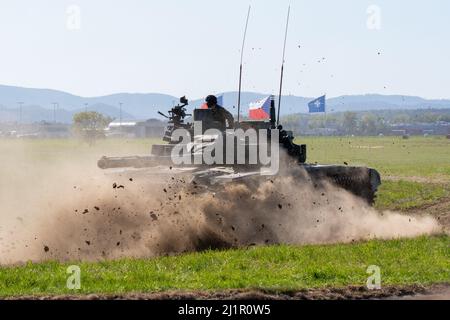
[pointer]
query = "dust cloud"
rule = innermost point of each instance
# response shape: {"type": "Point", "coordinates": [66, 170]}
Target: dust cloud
{"type": "Point", "coordinates": [73, 211]}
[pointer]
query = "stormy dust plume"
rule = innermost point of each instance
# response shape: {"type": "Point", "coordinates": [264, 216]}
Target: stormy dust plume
{"type": "Point", "coordinates": [74, 212]}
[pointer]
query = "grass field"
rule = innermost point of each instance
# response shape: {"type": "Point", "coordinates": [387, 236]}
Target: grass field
{"type": "Point", "coordinates": [426, 157]}
{"type": "Point", "coordinates": [403, 195]}
{"type": "Point", "coordinates": [276, 268]}
{"type": "Point", "coordinates": [419, 157]}
{"type": "Point", "coordinates": [416, 172]}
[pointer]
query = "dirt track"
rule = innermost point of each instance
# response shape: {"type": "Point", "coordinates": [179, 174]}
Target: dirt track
{"type": "Point", "coordinates": [435, 292]}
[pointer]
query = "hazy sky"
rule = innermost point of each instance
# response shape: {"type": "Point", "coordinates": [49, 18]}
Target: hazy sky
{"type": "Point", "coordinates": [192, 47]}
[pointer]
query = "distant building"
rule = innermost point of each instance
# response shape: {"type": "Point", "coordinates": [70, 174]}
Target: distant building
{"type": "Point", "coordinates": [136, 128]}
{"type": "Point", "coordinates": [433, 128]}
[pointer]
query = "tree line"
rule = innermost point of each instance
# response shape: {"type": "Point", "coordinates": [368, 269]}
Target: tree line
{"type": "Point", "coordinates": [363, 122]}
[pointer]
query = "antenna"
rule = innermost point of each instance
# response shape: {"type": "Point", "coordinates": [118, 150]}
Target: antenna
{"type": "Point", "coordinates": [240, 68]}
{"type": "Point", "coordinates": [282, 65]}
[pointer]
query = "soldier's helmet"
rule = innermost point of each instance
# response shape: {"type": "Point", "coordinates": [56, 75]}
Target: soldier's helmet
{"type": "Point", "coordinates": [211, 100]}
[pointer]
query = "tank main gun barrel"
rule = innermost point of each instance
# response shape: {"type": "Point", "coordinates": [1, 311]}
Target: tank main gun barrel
{"type": "Point", "coordinates": [128, 162]}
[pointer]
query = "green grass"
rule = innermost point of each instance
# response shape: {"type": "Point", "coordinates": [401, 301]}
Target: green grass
{"type": "Point", "coordinates": [393, 156]}
{"type": "Point", "coordinates": [404, 195]}
{"type": "Point", "coordinates": [422, 260]}
{"type": "Point", "coordinates": [427, 157]}
{"type": "Point", "coordinates": [420, 165]}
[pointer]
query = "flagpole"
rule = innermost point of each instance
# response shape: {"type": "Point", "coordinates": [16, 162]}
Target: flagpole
{"type": "Point", "coordinates": [325, 114]}
{"type": "Point", "coordinates": [325, 111]}
{"type": "Point", "coordinates": [240, 67]}
{"type": "Point", "coordinates": [282, 65]}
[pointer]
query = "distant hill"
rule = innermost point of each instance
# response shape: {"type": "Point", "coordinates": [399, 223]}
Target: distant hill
{"type": "Point", "coordinates": [380, 102]}
{"type": "Point", "coordinates": [38, 103]}
{"type": "Point", "coordinates": [36, 113]}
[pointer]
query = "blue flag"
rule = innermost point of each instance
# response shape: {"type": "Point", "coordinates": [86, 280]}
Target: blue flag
{"type": "Point", "coordinates": [317, 105]}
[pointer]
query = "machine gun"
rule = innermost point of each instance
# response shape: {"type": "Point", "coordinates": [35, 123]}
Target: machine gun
{"type": "Point", "coordinates": [176, 118]}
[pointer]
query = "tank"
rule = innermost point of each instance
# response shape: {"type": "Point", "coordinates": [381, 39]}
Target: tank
{"type": "Point", "coordinates": [363, 182]}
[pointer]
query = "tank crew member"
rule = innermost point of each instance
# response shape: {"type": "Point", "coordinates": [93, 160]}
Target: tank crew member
{"type": "Point", "coordinates": [220, 114]}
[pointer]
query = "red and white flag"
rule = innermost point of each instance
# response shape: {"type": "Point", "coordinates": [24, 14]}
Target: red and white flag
{"type": "Point", "coordinates": [260, 110]}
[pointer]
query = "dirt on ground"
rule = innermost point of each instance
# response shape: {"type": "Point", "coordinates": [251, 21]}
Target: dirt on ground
{"type": "Point", "coordinates": [439, 210]}
{"type": "Point", "coordinates": [142, 215]}
{"type": "Point", "coordinates": [69, 212]}
{"type": "Point", "coordinates": [416, 292]}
